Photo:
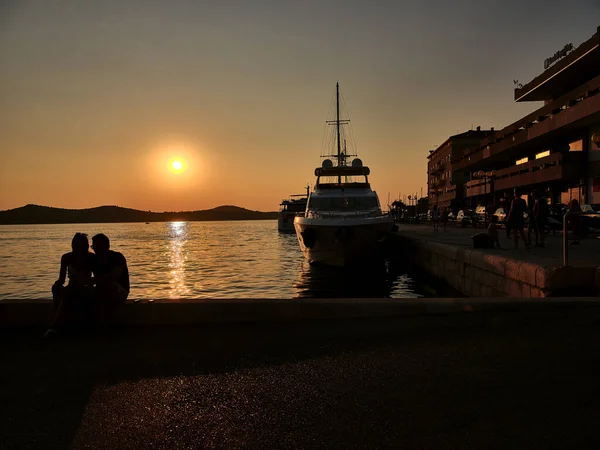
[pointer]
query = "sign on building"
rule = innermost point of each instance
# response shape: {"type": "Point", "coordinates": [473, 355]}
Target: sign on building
{"type": "Point", "coordinates": [558, 55]}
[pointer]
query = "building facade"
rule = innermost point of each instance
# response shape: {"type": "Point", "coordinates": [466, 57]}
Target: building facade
{"type": "Point", "coordinates": [446, 185]}
{"type": "Point", "coordinates": [554, 150]}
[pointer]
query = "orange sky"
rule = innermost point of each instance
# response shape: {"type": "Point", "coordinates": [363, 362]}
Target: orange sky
{"type": "Point", "coordinates": [98, 97]}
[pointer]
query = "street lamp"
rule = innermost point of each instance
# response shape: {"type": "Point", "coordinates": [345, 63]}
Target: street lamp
{"type": "Point", "coordinates": [485, 175]}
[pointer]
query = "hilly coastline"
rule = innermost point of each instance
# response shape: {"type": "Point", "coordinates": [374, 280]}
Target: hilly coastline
{"type": "Point", "coordinates": [36, 214]}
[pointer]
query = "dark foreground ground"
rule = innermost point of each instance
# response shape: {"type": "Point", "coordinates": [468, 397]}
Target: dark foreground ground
{"type": "Point", "coordinates": [467, 381]}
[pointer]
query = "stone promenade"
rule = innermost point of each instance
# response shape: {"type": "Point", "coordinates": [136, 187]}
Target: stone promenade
{"type": "Point", "coordinates": [534, 272]}
{"type": "Point", "coordinates": [475, 380]}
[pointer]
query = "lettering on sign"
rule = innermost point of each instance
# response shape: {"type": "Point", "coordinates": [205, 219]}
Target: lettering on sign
{"type": "Point", "coordinates": [559, 54]}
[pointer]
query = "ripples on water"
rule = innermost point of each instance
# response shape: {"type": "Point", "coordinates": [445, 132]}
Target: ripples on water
{"type": "Point", "coordinates": [248, 259]}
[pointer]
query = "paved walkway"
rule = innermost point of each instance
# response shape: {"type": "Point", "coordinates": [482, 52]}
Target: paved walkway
{"type": "Point", "coordinates": [585, 254]}
{"type": "Point", "coordinates": [494, 382]}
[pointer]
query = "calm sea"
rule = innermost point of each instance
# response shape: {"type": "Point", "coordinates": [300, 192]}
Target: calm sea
{"type": "Point", "coordinates": [248, 259]}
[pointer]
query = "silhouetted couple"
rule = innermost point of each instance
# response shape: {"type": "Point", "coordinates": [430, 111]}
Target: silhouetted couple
{"type": "Point", "coordinates": [98, 282]}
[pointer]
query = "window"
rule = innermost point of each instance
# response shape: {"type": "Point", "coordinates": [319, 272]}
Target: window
{"type": "Point", "coordinates": [522, 161]}
{"type": "Point", "coordinates": [576, 146]}
{"type": "Point", "coordinates": [543, 154]}
{"type": "Point", "coordinates": [341, 204]}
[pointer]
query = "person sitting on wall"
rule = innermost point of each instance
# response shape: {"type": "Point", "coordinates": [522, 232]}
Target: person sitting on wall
{"type": "Point", "coordinates": [76, 296]}
{"type": "Point", "coordinates": [489, 238]}
{"type": "Point", "coordinates": [111, 277]}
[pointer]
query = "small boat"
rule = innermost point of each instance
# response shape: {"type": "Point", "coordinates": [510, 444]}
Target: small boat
{"type": "Point", "coordinates": [343, 223]}
{"type": "Point", "coordinates": [289, 208]}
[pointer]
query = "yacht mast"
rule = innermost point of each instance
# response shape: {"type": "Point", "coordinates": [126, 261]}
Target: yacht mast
{"type": "Point", "coordinates": [337, 121]}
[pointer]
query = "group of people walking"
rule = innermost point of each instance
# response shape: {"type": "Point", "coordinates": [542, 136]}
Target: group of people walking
{"type": "Point", "coordinates": [536, 220]}
{"type": "Point", "coordinates": [538, 212]}
{"type": "Point", "coordinates": [439, 215]}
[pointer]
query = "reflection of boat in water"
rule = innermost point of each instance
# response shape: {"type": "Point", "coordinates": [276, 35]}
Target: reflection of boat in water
{"type": "Point", "coordinates": [343, 223]}
{"type": "Point", "coordinates": [382, 278]}
{"type": "Point", "coordinates": [289, 208]}
{"type": "Point", "coordinates": [374, 281]}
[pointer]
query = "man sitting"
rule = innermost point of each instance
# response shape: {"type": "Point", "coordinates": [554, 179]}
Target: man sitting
{"type": "Point", "coordinates": [111, 276]}
{"type": "Point", "coordinates": [487, 240]}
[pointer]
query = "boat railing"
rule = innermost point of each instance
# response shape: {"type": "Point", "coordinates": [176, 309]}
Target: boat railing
{"type": "Point", "coordinates": [333, 215]}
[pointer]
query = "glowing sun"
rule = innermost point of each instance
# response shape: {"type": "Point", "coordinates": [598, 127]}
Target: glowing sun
{"type": "Point", "coordinates": [177, 166]}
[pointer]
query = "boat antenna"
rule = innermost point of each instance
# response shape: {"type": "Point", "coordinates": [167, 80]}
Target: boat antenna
{"type": "Point", "coordinates": [337, 121]}
{"type": "Point", "coordinates": [341, 156]}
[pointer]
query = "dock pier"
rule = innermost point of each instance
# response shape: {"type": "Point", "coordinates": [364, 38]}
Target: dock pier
{"type": "Point", "coordinates": [505, 272]}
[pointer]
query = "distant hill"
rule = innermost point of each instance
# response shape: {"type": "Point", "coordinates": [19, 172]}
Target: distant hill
{"type": "Point", "coordinates": [35, 214]}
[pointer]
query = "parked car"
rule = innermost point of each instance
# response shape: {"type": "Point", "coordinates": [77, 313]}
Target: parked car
{"type": "Point", "coordinates": [480, 211]}
{"type": "Point", "coordinates": [501, 215]}
{"type": "Point", "coordinates": [591, 222]}
{"type": "Point", "coordinates": [589, 209]}
{"type": "Point", "coordinates": [558, 209]}
{"type": "Point", "coordinates": [466, 217]}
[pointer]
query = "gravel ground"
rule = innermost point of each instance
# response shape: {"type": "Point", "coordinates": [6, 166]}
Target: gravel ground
{"type": "Point", "coordinates": [478, 381]}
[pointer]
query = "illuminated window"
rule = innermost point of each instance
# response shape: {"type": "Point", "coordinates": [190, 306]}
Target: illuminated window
{"type": "Point", "coordinates": [576, 146]}
{"type": "Point", "coordinates": [542, 155]}
{"type": "Point", "coordinates": [522, 161]}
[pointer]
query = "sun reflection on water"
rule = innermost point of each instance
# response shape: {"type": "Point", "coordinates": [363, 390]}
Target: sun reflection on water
{"type": "Point", "coordinates": [177, 250]}
{"type": "Point", "coordinates": [197, 260]}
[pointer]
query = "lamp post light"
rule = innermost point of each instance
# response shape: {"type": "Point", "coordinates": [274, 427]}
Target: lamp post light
{"type": "Point", "coordinates": [485, 176]}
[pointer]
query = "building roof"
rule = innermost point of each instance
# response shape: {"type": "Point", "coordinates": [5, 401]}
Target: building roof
{"type": "Point", "coordinates": [576, 68]}
{"type": "Point", "coordinates": [478, 133]}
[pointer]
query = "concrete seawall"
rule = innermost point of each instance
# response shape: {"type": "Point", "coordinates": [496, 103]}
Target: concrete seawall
{"type": "Point", "coordinates": [38, 313]}
{"type": "Point", "coordinates": [480, 274]}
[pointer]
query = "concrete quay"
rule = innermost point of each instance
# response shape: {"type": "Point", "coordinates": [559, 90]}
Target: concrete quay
{"type": "Point", "coordinates": [37, 314]}
{"type": "Point", "coordinates": [471, 380]}
{"type": "Point", "coordinates": [505, 272]}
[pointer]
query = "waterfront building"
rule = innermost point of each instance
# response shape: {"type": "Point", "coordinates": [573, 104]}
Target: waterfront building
{"type": "Point", "coordinates": [555, 149]}
{"type": "Point", "coordinates": [445, 185]}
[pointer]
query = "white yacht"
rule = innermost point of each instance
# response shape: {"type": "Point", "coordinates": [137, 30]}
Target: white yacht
{"type": "Point", "coordinates": [289, 208]}
{"type": "Point", "coordinates": [343, 223]}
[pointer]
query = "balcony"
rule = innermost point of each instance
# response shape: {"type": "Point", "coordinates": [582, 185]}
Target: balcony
{"type": "Point", "coordinates": [477, 187]}
{"type": "Point", "coordinates": [443, 198]}
{"type": "Point", "coordinates": [440, 196]}
{"type": "Point", "coordinates": [564, 111]}
{"type": "Point", "coordinates": [437, 169]}
{"type": "Point", "coordinates": [543, 170]}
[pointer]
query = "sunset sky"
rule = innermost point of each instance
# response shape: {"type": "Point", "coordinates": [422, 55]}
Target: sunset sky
{"type": "Point", "coordinates": [98, 98]}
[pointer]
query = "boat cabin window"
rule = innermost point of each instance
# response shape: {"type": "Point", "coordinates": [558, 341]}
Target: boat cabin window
{"type": "Point", "coordinates": [342, 203]}
{"type": "Point", "coordinates": [344, 179]}
{"type": "Point", "coordinates": [293, 207]}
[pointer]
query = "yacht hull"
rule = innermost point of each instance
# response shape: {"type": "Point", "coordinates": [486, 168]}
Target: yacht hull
{"type": "Point", "coordinates": [285, 223]}
{"type": "Point", "coordinates": [342, 242]}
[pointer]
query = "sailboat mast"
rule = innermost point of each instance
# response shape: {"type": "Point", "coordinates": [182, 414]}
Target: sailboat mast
{"type": "Point", "coordinates": [337, 121]}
